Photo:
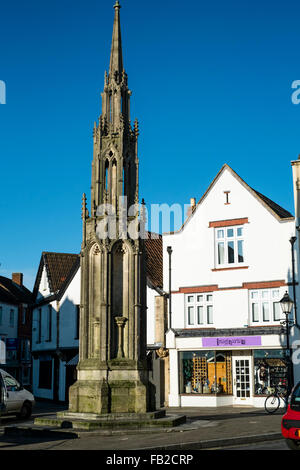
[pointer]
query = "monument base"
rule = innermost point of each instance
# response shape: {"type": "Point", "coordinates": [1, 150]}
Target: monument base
{"type": "Point", "coordinates": [93, 421]}
{"type": "Point", "coordinates": [118, 386]}
{"type": "Point", "coordinates": [117, 396]}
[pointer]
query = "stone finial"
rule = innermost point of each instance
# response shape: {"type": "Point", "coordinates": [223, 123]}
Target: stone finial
{"type": "Point", "coordinates": [136, 128]}
{"type": "Point", "coordinates": [84, 211]}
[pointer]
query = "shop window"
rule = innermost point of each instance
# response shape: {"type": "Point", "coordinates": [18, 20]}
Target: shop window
{"type": "Point", "coordinates": [264, 306]}
{"type": "Point", "coordinates": [270, 370]}
{"type": "Point", "coordinates": [199, 310]}
{"type": "Point", "coordinates": [229, 246]}
{"type": "Point", "coordinates": [206, 372]}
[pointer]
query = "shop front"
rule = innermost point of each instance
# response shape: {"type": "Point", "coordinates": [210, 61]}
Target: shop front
{"type": "Point", "coordinates": [226, 370]}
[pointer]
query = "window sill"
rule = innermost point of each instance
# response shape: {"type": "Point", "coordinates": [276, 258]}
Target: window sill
{"type": "Point", "coordinates": [230, 269]}
{"type": "Point", "coordinates": [200, 327]}
{"type": "Point", "coordinates": [206, 394]}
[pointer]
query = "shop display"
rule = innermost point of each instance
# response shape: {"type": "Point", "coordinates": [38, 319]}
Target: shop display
{"type": "Point", "coordinates": [270, 370]}
{"type": "Point", "coordinates": [206, 372]}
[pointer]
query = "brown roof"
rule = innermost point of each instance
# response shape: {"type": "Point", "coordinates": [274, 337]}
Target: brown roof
{"type": "Point", "coordinates": [154, 259]}
{"type": "Point", "coordinates": [59, 266]}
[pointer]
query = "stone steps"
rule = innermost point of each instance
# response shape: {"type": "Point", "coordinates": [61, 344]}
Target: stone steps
{"type": "Point", "coordinates": [111, 422]}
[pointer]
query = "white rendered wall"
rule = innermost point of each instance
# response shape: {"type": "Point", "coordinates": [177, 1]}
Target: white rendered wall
{"type": "Point", "coordinates": [267, 252]}
{"type": "Point", "coordinates": [68, 313]}
{"type": "Point", "coordinates": [44, 345]}
{"type": "Point", "coordinates": [151, 294]}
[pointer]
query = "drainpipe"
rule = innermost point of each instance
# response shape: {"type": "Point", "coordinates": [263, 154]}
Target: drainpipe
{"type": "Point", "coordinates": [169, 250]}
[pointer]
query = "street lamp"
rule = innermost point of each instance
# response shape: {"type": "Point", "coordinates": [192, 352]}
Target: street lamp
{"type": "Point", "coordinates": [292, 242]}
{"type": "Point", "coordinates": [286, 304]}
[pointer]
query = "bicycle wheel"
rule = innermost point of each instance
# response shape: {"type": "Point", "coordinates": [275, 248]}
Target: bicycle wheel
{"type": "Point", "coordinates": [272, 403]}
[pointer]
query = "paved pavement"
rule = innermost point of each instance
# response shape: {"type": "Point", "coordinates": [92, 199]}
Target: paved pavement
{"type": "Point", "coordinates": [207, 428]}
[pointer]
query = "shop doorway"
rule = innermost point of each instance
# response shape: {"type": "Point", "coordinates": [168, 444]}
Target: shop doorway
{"type": "Point", "coordinates": [242, 380]}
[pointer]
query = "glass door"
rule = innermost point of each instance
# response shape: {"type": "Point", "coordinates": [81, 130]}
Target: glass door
{"type": "Point", "coordinates": [242, 380]}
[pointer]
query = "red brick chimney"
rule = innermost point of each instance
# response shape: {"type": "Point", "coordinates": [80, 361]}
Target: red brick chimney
{"type": "Point", "coordinates": [192, 206]}
{"type": "Point", "coordinates": [17, 278]}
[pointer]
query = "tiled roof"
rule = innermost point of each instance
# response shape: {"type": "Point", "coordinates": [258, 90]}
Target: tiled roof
{"type": "Point", "coordinates": [59, 267]}
{"type": "Point", "coordinates": [11, 292]}
{"type": "Point", "coordinates": [154, 259]}
{"type": "Point", "coordinates": [282, 213]}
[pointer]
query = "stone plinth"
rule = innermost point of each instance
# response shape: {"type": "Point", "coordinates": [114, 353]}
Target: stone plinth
{"type": "Point", "coordinates": [93, 421]}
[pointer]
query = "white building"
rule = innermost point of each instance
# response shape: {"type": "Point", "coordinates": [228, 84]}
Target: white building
{"type": "Point", "coordinates": [231, 264]}
{"type": "Point", "coordinates": [55, 326]}
{"type": "Point", "coordinates": [15, 328]}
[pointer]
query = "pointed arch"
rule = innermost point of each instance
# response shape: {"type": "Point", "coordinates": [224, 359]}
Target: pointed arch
{"type": "Point", "coordinates": [114, 191]}
{"type": "Point", "coordinates": [106, 177]}
{"type": "Point", "coordinates": [120, 287]}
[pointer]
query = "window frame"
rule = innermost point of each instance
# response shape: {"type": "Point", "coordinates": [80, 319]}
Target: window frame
{"type": "Point", "coordinates": [12, 318]}
{"type": "Point", "coordinates": [226, 240]}
{"type": "Point", "coordinates": [49, 323]}
{"type": "Point", "coordinates": [207, 309]}
{"type": "Point", "coordinates": [268, 300]}
{"type": "Point", "coordinates": [39, 326]}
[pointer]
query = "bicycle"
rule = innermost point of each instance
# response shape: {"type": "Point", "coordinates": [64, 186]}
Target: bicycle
{"type": "Point", "coordinates": [272, 402]}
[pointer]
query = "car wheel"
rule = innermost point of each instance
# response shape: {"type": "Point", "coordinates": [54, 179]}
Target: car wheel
{"type": "Point", "coordinates": [293, 444]}
{"type": "Point", "coordinates": [25, 411]}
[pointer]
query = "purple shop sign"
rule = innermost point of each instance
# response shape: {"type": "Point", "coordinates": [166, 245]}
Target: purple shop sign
{"type": "Point", "coordinates": [234, 341]}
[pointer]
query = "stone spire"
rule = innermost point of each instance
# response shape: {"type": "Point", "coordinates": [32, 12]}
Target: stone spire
{"type": "Point", "coordinates": [115, 163]}
{"type": "Point", "coordinates": [116, 58]}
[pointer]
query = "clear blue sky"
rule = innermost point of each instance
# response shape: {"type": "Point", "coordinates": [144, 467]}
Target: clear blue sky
{"type": "Point", "coordinates": [211, 85]}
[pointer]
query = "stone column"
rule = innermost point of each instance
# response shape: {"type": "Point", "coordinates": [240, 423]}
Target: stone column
{"type": "Point", "coordinates": [120, 321]}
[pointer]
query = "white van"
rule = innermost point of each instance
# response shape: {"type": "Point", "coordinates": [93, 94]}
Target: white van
{"type": "Point", "coordinates": [14, 399]}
